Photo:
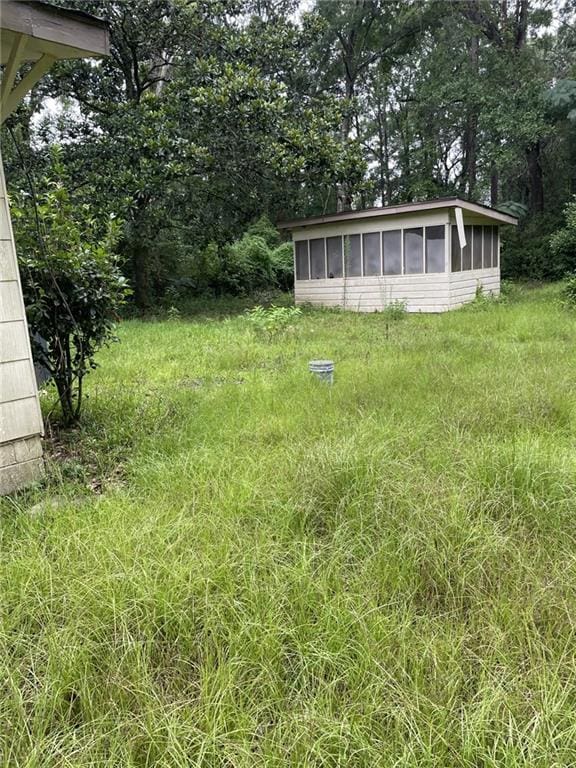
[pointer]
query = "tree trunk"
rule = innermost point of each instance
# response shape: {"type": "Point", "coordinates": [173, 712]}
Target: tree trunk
{"type": "Point", "coordinates": [343, 194]}
{"type": "Point", "coordinates": [138, 248]}
{"type": "Point", "coordinates": [494, 180]}
{"type": "Point", "coordinates": [470, 138]}
{"type": "Point", "coordinates": [521, 23]}
{"type": "Point", "coordinates": [535, 180]}
{"type": "Point", "coordinates": [63, 378]}
{"type": "Point", "coordinates": [382, 150]}
{"type": "Point", "coordinates": [387, 155]}
{"type": "Point", "coordinates": [141, 273]}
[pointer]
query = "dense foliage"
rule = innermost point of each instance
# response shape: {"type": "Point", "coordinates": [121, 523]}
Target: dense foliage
{"type": "Point", "coordinates": [257, 261]}
{"type": "Point", "coordinates": [73, 287]}
{"type": "Point", "coordinates": [208, 114]}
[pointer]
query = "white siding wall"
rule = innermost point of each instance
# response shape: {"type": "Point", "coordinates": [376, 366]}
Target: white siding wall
{"type": "Point", "coordinates": [20, 417]}
{"type": "Point", "coordinates": [421, 293]}
{"type": "Point", "coordinates": [463, 285]}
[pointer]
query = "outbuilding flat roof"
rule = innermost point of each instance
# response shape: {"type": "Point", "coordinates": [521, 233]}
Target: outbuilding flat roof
{"type": "Point", "coordinates": [395, 210]}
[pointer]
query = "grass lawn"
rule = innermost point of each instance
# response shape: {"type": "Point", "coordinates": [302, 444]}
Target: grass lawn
{"type": "Point", "coordinates": [234, 565]}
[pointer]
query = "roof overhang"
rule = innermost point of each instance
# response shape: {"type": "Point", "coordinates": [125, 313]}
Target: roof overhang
{"type": "Point", "coordinates": [404, 208]}
{"type": "Point", "coordinates": [34, 31]}
{"type": "Point", "coordinates": [59, 32]}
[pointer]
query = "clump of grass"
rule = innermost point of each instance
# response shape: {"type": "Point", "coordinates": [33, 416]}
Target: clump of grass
{"type": "Point", "coordinates": [484, 300]}
{"type": "Point", "coordinates": [375, 575]}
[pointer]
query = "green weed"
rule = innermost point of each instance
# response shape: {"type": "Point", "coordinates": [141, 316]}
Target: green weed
{"type": "Point", "coordinates": [272, 321]}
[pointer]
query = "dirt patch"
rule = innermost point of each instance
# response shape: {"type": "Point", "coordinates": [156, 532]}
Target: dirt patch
{"type": "Point", "coordinates": [73, 456]}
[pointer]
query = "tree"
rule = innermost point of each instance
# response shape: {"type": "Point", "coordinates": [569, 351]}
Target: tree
{"type": "Point", "coordinates": [208, 114]}
{"type": "Point", "coordinates": [73, 287]}
{"type": "Point", "coordinates": [224, 138]}
{"type": "Point", "coordinates": [356, 37]}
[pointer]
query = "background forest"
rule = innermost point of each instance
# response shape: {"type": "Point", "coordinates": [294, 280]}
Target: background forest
{"type": "Point", "coordinates": [213, 118]}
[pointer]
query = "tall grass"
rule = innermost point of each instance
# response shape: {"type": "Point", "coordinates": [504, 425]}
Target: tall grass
{"type": "Point", "coordinates": [235, 565]}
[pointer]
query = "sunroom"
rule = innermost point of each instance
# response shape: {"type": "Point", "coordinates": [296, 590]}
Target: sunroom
{"type": "Point", "coordinates": [431, 256]}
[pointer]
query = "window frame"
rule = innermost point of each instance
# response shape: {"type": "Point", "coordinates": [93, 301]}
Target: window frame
{"type": "Point", "coordinates": [296, 278]}
{"type": "Point", "coordinates": [475, 229]}
{"type": "Point", "coordinates": [495, 247]}
{"type": "Point", "coordinates": [377, 236]}
{"type": "Point", "coordinates": [345, 265]}
{"type": "Point", "coordinates": [451, 249]}
{"type": "Point", "coordinates": [443, 270]}
{"type": "Point", "coordinates": [341, 238]}
{"type": "Point", "coordinates": [490, 231]}
{"type": "Point", "coordinates": [455, 239]}
{"type": "Point", "coordinates": [310, 240]}
{"type": "Point", "coordinates": [406, 230]}
{"type": "Point", "coordinates": [468, 235]}
{"type": "Point", "coordinates": [384, 232]}
{"type": "Point", "coordinates": [487, 235]}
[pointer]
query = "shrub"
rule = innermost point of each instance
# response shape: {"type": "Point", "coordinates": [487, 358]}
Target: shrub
{"type": "Point", "coordinates": [283, 266]}
{"type": "Point", "coordinates": [563, 243]}
{"type": "Point", "coordinates": [569, 292]}
{"type": "Point", "coordinates": [72, 284]}
{"type": "Point", "coordinates": [247, 265]}
{"type": "Point", "coordinates": [526, 250]}
{"type": "Point", "coordinates": [256, 262]}
{"type": "Point", "coordinates": [484, 300]}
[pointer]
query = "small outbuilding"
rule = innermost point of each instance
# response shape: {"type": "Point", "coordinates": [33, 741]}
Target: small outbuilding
{"type": "Point", "coordinates": [432, 256]}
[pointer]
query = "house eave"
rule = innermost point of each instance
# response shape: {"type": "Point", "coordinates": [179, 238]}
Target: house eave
{"type": "Point", "coordinates": [51, 30]}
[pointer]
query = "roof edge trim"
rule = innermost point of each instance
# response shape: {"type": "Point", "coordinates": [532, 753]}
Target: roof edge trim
{"type": "Point", "coordinates": [390, 210]}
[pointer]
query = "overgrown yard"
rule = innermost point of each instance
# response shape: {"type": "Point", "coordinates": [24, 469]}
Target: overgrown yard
{"type": "Point", "coordinates": [235, 565]}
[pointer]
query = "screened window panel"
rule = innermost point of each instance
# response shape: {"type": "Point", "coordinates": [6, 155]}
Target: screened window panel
{"type": "Point", "coordinates": [456, 257]}
{"type": "Point", "coordinates": [467, 250]}
{"type": "Point", "coordinates": [302, 267]}
{"type": "Point", "coordinates": [435, 249]}
{"type": "Point", "coordinates": [334, 256]}
{"type": "Point", "coordinates": [494, 246]}
{"type": "Point", "coordinates": [413, 251]}
{"type": "Point", "coordinates": [487, 261]}
{"type": "Point", "coordinates": [371, 250]}
{"type": "Point", "coordinates": [353, 255]}
{"type": "Point", "coordinates": [477, 247]}
{"type": "Point", "coordinates": [317, 259]}
{"type": "Point", "coordinates": [392, 252]}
